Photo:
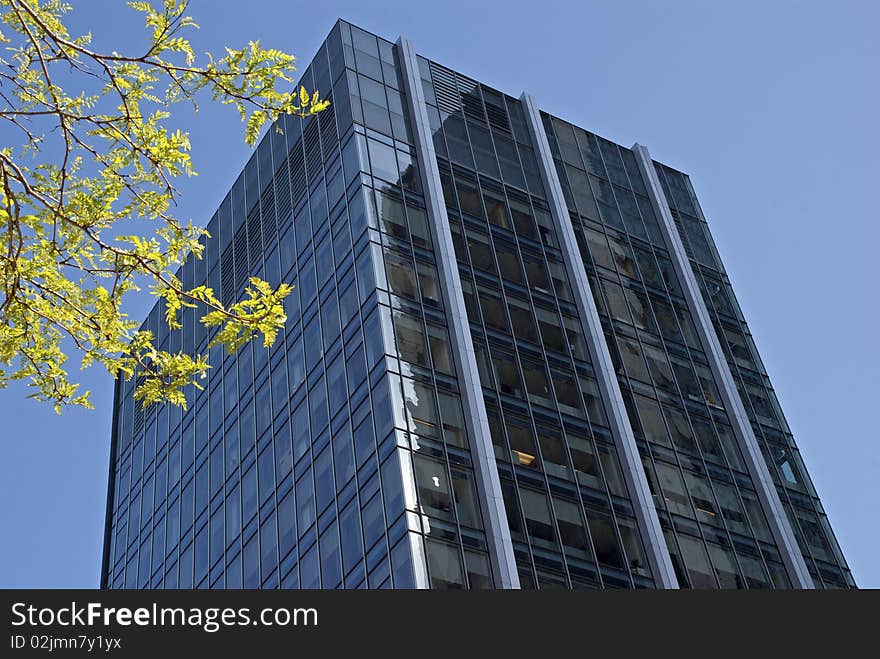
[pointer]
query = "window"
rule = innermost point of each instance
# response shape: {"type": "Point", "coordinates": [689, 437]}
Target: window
{"type": "Point", "coordinates": [432, 483]}
{"type": "Point", "coordinates": [575, 339]}
{"type": "Point", "coordinates": [571, 528]}
{"type": "Point", "coordinates": [680, 429]}
{"type": "Point", "coordinates": [484, 154]}
{"type": "Point", "coordinates": [375, 105]}
{"type": "Point", "coordinates": [522, 443]}
{"type": "Point", "coordinates": [444, 565]}
{"type": "Point", "coordinates": [560, 280]}
{"type": "Point", "coordinates": [409, 172]}
{"type": "Point", "coordinates": [545, 227]}
{"type": "Point", "coordinates": [701, 495]}
{"type": "Point", "coordinates": [551, 331]}
{"type": "Point", "coordinates": [428, 284]}
{"type": "Point", "coordinates": [580, 186]}
{"type": "Point", "coordinates": [522, 318]}
{"type": "Point", "coordinates": [567, 394]}
{"type": "Point", "coordinates": [496, 210]}
{"type": "Point", "coordinates": [623, 257]}
{"type": "Point", "coordinates": [366, 53]}
{"type": "Point", "coordinates": [266, 473]}
{"type": "Point", "coordinates": [318, 406]}
{"type": "Point", "coordinates": [583, 456]}
{"type": "Point", "coordinates": [312, 341]}
{"type": "Point", "coordinates": [233, 515]}
{"type": "Point", "coordinates": [343, 456]}
{"type": "Point", "coordinates": [611, 467]}
{"type": "Point", "coordinates": [554, 452]}
{"type": "Point", "coordinates": [632, 358]}
{"type": "Point", "coordinates": [522, 219]}
{"type": "Point", "coordinates": [418, 224]}
{"type": "Point", "coordinates": [648, 268]}
{"type": "Point", "coordinates": [641, 310]}
{"type": "Point", "coordinates": [350, 532]}
{"type": "Point", "coordinates": [632, 545]}
{"type": "Point", "coordinates": [324, 260]}
{"type": "Point", "coordinates": [338, 391]}
{"type": "Point", "coordinates": [410, 339]}
{"type": "Point", "coordinates": [494, 315]}
{"type": "Point", "coordinates": [439, 344]}
{"type": "Point", "coordinates": [593, 401]}
{"type": "Point", "coordinates": [669, 329]}
{"type": "Point", "coordinates": [325, 488]}
{"type": "Point", "coordinates": [478, 571]}
{"type": "Point", "coordinates": [392, 215]}
{"type": "Point", "coordinates": [481, 253]}
{"type": "Point", "coordinates": [459, 145]}
{"type": "Point", "coordinates": [673, 489]}
{"type": "Point", "coordinates": [729, 446]}
{"type": "Point", "coordinates": [652, 421]}
{"type": "Point", "coordinates": [616, 303]}
{"type": "Point", "coordinates": [604, 539]}
{"type": "Point", "coordinates": [707, 440]}
{"type": "Point", "coordinates": [536, 273]}
{"type": "Point", "coordinates": [507, 373]}
{"type": "Point", "coordinates": [330, 320]}
{"type": "Point", "coordinates": [269, 545]}
{"type": "Point", "coordinates": [731, 508]}
{"type": "Point", "coordinates": [535, 376]}
{"type": "Point", "coordinates": [508, 261]}
{"type": "Point", "coordinates": [305, 502]}
{"type": "Point", "coordinates": [693, 554]}
{"type": "Point", "coordinates": [453, 421]}
{"type": "Point", "coordinates": [536, 510]}
{"type": "Point", "coordinates": [599, 249]}
{"type": "Point", "coordinates": [468, 197]}
{"type": "Point", "coordinates": [421, 408]}
{"type": "Point", "coordinates": [466, 498]}
{"type": "Point", "coordinates": [659, 367]}
{"type": "Point", "coordinates": [383, 161]}
{"type": "Point", "coordinates": [754, 571]}
{"type": "Point", "coordinates": [687, 381]}
{"type": "Point", "coordinates": [401, 275]}
{"type": "Point", "coordinates": [331, 568]}
{"type": "Point", "coordinates": [509, 160]}
{"type": "Point", "coordinates": [756, 515]}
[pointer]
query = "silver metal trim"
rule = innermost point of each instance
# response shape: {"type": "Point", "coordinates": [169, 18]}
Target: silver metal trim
{"type": "Point", "coordinates": [621, 430]}
{"type": "Point", "coordinates": [482, 451]}
{"type": "Point", "coordinates": [767, 494]}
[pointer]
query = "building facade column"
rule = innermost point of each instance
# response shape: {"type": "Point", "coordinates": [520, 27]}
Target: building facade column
{"type": "Point", "coordinates": [621, 430]}
{"type": "Point", "coordinates": [780, 527]}
{"type": "Point", "coordinates": [477, 421]}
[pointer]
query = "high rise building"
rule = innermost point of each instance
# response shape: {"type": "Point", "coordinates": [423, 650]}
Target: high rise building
{"type": "Point", "coordinates": [512, 358]}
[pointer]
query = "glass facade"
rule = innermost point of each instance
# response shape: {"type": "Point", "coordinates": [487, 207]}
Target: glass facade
{"type": "Point", "coordinates": [715, 529]}
{"type": "Point", "coordinates": [570, 516]}
{"type": "Point", "coordinates": [341, 456]}
{"type": "Point", "coordinates": [820, 550]}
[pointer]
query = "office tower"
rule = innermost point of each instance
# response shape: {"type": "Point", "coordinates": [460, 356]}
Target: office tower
{"type": "Point", "coordinates": [512, 358]}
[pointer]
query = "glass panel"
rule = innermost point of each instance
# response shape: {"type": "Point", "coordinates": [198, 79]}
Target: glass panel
{"type": "Point", "coordinates": [420, 407]}
{"type": "Point", "coordinates": [536, 510]}
{"type": "Point", "coordinates": [453, 421]}
{"type": "Point", "coordinates": [571, 528]}
{"type": "Point", "coordinates": [410, 335]}
{"type": "Point", "coordinates": [440, 354]}
{"type": "Point", "coordinates": [605, 540]}
{"type": "Point", "coordinates": [444, 565]}
{"type": "Point", "coordinates": [432, 482]}
{"type": "Point", "coordinates": [522, 443]}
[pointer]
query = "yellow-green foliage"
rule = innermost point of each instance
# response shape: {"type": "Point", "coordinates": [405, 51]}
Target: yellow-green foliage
{"type": "Point", "coordinates": [95, 151]}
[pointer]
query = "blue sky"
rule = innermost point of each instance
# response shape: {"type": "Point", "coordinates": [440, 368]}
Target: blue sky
{"type": "Point", "coordinates": [771, 107]}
